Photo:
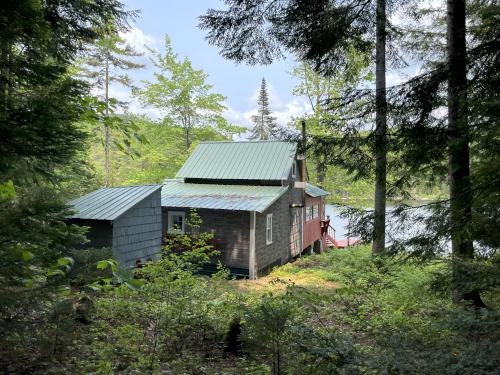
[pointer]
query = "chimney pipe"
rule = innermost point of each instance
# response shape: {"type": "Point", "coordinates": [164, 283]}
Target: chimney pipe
{"type": "Point", "coordinates": [304, 147]}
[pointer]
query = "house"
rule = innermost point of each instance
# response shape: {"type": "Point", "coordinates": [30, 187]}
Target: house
{"type": "Point", "coordinates": [253, 197]}
{"type": "Point", "coordinates": [126, 219]}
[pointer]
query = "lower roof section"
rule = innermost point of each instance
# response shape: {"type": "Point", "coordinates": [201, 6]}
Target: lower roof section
{"type": "Point", "coordinates": [220, 197]}
{"type": "Point", "coordinates": [314, 191]}
{"type": "Point", "coordinates": [110, 203]}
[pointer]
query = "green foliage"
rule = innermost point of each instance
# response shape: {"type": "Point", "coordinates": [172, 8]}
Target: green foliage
{"type": "Point", "coordinates": [160, 158]}
{"type": "Point", "coordinates": [33, 235]}
{"type": "Point", "coordinates": [40, 137]}
{"type": "Point", "coordinates": [41, 103]}
{"type": "Point", "coordinates": [171, 324]}
{"type": "Point", "coordinates": [267, 328]}
{"type": "Point", "coordinates": [181, 94]}
{"type": "Point", "coordinates": [368, 316]}
{"type": "Point", "coordinates": [107, 62]}
{"type": "Point", "coordinates": [84, 270]}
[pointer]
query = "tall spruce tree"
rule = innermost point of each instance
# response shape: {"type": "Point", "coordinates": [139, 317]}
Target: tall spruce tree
{"type": "Point", "coordinates": [108, 62]}
{"type": "Point", "coordinates": [378, 246]}
{"type": "Point", "coordinates": [39, 100]}
{"type": "Point", "coordinates": [41, 105]}
{"type": "Point", "coordinates": [265, 125]}
{"type": "Point", "coordinates": [446, 125]}
{"type": "Point", "coordinates": [321, 32]}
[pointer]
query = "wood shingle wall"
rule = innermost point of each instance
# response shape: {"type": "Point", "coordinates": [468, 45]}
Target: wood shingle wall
{"type": "Point", "coordinates": [278, 252]}
{"type": "Point", "coordinates": [137, 233]}
{"type": "Point", "coordinates": [231, 230]}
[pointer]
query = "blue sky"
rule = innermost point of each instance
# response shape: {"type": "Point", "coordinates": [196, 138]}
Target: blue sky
{"type": "Point", "coordinates": [239, 83]}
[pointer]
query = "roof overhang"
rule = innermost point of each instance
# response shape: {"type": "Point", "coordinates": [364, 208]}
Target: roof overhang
{"type": "Point", "coordinates": [220, 197]}
{"type": "Point", "coordinates": [110, 203]}
{"type": "Point", "coordinates": [314, 191]}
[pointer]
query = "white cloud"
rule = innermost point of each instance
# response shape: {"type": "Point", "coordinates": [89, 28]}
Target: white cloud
{"type": "Point", "coordinates": [124, 95]}
{"type": "Point", "coordinates": [237, 117]}
{"type": "Point", "coordinates": [283, 112]}
{"type": "Point", "coordinates": [394, 78]}
{"type": "Point", "coordinates": [138, 39]}
{"type": "Point", "coordinates": [294, 108]}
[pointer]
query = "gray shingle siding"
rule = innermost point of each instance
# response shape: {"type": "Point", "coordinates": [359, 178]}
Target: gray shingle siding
{"type": "Point", "coordinates": [278, 252]}
{"type": "Point", "coordinates": [232, 227]}
{"type": "Point", "coordinates": [296, 194]}
{"type": "Point", "coordinates": [137, 233]}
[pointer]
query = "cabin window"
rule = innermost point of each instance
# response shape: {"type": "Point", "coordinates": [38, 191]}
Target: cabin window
{"type": "Point", "coordinates": [315, 211]}
{"type": "Point", "coordinates": [308, 213]}
{"type": "Point", "coordinates": [269, 229]}
{"type": "Point", "coordinates": [294, 169]}
{"type": "Point", "coordinates": [176, 222]}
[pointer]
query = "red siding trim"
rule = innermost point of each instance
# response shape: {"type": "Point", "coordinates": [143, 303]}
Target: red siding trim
{"type": "Point", "coordinates": [312, 228]}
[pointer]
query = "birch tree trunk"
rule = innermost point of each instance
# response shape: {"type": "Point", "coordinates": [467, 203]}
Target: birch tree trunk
{"type": "Point", "coordinates": [107, 165]}
{"type": "Point", "coordinates": [378, 246]}
{"type": "Point", "coordinates": [187, 135]}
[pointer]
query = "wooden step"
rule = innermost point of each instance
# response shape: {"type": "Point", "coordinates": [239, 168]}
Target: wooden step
{"type": "Point", "coordinates": [340, 244]}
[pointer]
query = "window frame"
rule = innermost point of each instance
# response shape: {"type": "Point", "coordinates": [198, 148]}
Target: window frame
{"type": "Point", "coordinates": [170, 227]}
{"type": "Point", "coordinates": [315, 211]}
{"type": "Point", "coordinates": [309, 213]}
{"type": "Point", "coordinates": [269, 229]}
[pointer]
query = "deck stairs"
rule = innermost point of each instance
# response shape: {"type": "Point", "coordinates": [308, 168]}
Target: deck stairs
{"type": "Point", "coordinates": [330, 238]}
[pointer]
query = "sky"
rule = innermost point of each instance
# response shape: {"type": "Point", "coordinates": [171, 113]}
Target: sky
{"type": "Point", "coordinates": [238, 83]}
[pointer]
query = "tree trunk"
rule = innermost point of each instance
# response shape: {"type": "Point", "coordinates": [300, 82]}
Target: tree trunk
{"type": "Point", "coordinates": [187, 143]}
{"type": "Point", "coordinates": [458, 153]}
{"type": "Point", "coordinates": [378, 247]}
{"type": "Point", "coordinates": [187, 128]}
{"type": "Point", "coordinates": [320, 170]}
{"type": "Point", "coordinates": [107, 166]}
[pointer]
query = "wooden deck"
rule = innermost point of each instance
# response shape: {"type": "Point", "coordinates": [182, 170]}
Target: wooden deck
{"type": "Point", "coordinates": [330, 239]}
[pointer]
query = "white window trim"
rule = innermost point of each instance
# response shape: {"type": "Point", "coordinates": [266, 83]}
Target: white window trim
{"type": "Point", "coordinates": [315, 211]}
{"type": "Point", "coordinates": [311, 213]}
{"type": "Point", "coordinates": [269, 229]}
{"type": "Point", "coordinates": [170, 228]}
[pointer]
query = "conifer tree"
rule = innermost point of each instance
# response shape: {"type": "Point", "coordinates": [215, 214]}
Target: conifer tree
{"type": "Point", "coordinates": [323, 33]}
{"type": "Point", "coordinates": [265, 125]}
{"type": "Point", "coordinates": [41, 104]}
{"type": "Point", "coordinates": [108, 62]}
{"type": "Point", "coordinates": [378, 246]}
{"type": "Point", "coordinates": [446, 125]}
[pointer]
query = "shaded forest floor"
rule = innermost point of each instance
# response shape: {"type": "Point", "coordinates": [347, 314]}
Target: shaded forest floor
{"type": "Point", "coordinates": [336, 312]}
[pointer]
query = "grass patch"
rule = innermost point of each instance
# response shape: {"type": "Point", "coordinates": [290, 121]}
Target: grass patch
{"type": "Point", "coordinates": [321, 273]}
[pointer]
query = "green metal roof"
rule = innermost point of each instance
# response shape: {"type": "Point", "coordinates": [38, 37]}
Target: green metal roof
{"type": "Point", "coordinates": [256, 160]}
{"type": "Point", "coordinates": [220, 197]}
{"type": "Point", "coordinates": [314, 191]}
{"type": "Point", "coordinates": [110, 203]}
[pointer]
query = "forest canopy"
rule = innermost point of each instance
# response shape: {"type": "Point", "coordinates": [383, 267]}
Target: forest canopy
{"type": "Point", "coordinates": [419, 158]}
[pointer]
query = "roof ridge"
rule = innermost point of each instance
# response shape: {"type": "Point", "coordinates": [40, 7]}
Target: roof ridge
{"type": "Point", "coordinates": [249, 160]}
{"type": "Point", "coordinates": [248, 141]}
{"type": "Point", "coordinates": [128, 186]}
{"type": "Point", "coordinates": [225, 185]}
